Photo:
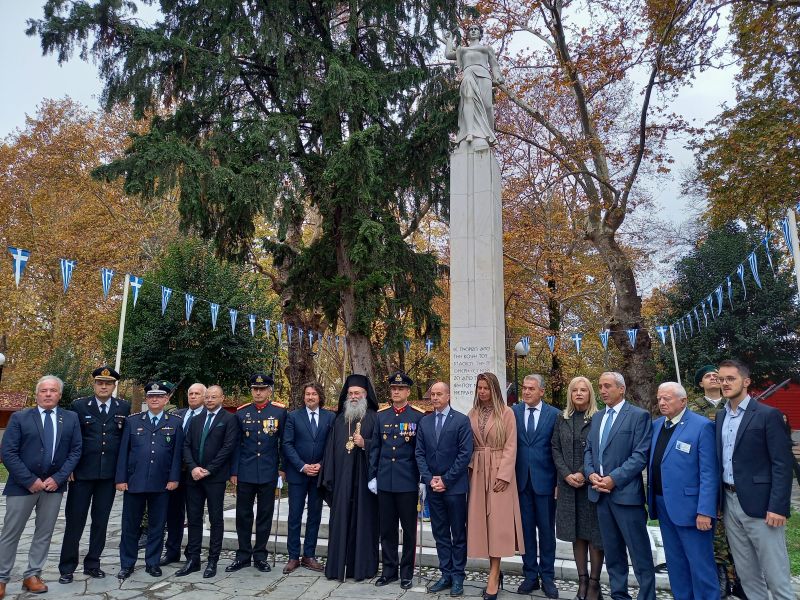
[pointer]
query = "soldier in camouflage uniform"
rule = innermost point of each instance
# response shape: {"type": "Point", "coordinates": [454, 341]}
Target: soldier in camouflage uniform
{"type": "Point", "coordinates": [707, 405]}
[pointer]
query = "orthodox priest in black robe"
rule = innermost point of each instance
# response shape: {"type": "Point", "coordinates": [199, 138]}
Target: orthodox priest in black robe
{"type": "Point", "coordinates": [353, 527]}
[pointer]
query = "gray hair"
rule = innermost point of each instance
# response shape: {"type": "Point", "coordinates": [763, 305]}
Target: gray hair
{"type": "Point", "coordinates": [50, 378]}
{"type": "Point", "coordinates": [537, 378]}
{"type": "Point", "coordinates": [677, 388]}
{"type": "Point", "coordinates": [618, 378]}
{"type": "Point", "coordinates": [198, 385]}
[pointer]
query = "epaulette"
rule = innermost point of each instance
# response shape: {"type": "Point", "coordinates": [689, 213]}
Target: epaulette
{"type": "Point", "coordinates": [416, 409]}
{"type": "Point", "coordinates": [278, 404]}
{"type": "Point", "coordinates": [141, 412]}
{"type": "Point", "coordinates": [387, 407]}
{"type": "Point", "coordinates": [244, 406]}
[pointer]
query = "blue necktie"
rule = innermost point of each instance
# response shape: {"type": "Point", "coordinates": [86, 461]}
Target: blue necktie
{"type": "Point", "coordinates": [313, 426]}
{"type": "Point", "coordinates": [531, 423]}
{"type": "Point", "coordinates": [203, 437]}
{"type": "Point", "coordinates": [49, 434]}
{"type": "Point", "coordinates": [438, 425]}
{"type": "Point", "coordinates": [155, 421]}
{"type": "Point", "coordinates": [188, 420]}
{"type": "Point", "coordinates": [606, 431]}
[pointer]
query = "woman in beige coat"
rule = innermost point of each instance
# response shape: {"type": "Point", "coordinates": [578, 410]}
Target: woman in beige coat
{"type": "Point", "coordinates": [494, 527]}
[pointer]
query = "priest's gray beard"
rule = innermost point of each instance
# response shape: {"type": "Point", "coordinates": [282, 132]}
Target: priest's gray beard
{"type": "Point", "coordinates": [355, 412]}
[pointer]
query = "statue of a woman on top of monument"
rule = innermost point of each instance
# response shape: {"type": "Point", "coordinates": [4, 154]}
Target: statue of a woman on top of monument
{"type": "Point", "coordinates": [479, 69]}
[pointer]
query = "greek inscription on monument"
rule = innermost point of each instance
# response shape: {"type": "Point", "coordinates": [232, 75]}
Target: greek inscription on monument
{"type": "Point", "coordinates": [467, 362]}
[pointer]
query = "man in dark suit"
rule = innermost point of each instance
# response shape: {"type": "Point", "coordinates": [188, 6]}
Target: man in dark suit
{"type": "Point", "coordinates": [536, 482]}
{"type": "Point", "coordinates": [617, 451]}
{"type": "Point", "coordinates": [755, 462]}
{"type": "Point", "coordinates": [254, 472]}
{"type": "Point", "coordinates": [395, 479]}
{"type": "Point", "coordinates": [176, 510]}
{"type": "Point", "coordinates": [148, 468]}
{"type": "Point", "coordinates": [304, 442]}
{"type": "Point", "coordinates": [208, 452]}
{"type": "Point", "coordinates": [682, 493]}
{"type": "Point", "coordinates": [41, 447]}
{"type": "Point", "coordinates": [92, 484]}
{"type": "Point", "coordinates": [444, 449]}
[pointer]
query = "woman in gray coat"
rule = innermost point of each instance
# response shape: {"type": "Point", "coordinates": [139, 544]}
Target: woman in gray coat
{"type": "Point", "coordinates": [576, 517]}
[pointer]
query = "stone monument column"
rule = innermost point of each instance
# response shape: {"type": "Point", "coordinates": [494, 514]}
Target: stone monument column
{"type": "Point", "coordinates": [477, 319]}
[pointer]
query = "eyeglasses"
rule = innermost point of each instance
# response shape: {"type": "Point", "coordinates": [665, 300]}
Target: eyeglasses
{"type": "Point", "coordinates": [728, 379]}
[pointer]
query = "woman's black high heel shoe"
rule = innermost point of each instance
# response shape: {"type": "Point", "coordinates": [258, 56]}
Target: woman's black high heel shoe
{"type": "Point", "coordinates": [599, 591]}
{"type": "Point", "coordinates": [499, 587]}
{"type": "Point", "coordinates": [581, 584]}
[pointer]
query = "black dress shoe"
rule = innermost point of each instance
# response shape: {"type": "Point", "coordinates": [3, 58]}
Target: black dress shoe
{"type": "Point", "coordinates": [97, 573]}
{"type": "Point", "coordinates": [443, 584]}
{"type": "Point", "coordinates": [457, 589]}
{"type": "Point", "coordinates": [262, 565]}
{"type": "Point", "coordinates": [211, 569]}
{"type": "Point", "coordinates": [549, 588]}
{"type": "Point", "coordinates": [406, 584]}
{"type": "Point", "coordinates": [124, 573]}
{"type": "Point", "coordinates": [236, 565]}
{"type": "Point", "coordinates": [168, 560]}
{"type": "Point", "coordinates": [190, 566]}
{"type": "Point", "coordinates": [65, 578]}
{"type": "Point", "coordinates": [382, 581]}
{"type": "Point", "coordinates": [154, 571]}
{"type": "Point", "coordinates": [527, 586]}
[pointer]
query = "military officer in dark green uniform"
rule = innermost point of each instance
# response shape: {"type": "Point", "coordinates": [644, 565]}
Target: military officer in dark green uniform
{"type": "Point", "coordinates": [256, 465]}
{"type": "Point", "coordinates": [707, 405]}
{"type": "Point", "coordinates": [394, 474]}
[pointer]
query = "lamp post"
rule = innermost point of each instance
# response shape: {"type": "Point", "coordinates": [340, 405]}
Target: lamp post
{"type": "Point", "coordinates": [2, 364]}
{"type": "Point", "coordinates": [520, 351]}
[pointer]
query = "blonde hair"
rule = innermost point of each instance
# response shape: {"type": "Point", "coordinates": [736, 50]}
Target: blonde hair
{"type": "Point", "coordinates": [569, 410]}
{"type": "Point", "coordinates": [498, 405]}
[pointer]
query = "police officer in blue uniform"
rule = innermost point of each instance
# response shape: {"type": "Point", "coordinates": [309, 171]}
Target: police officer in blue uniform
{"type": "Point", "coordinates": [149, 466]}
{"type": "Point", "coordinates": [394, 474]}
{"type": "Point", "coordinates": [92, 483]}
{"type": "Point", "coordinates": [255, 470]}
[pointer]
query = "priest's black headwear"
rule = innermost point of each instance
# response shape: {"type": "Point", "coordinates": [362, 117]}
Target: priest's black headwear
{"type": "Point", "coordinates": [361, 381]}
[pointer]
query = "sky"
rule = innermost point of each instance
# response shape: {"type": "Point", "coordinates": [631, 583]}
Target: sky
{"type": "Point", "coordinates": [39, 77]}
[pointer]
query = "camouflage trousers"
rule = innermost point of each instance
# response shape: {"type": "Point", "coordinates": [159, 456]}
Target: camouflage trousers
{"type": "Point", "coordinates": [722, 553]}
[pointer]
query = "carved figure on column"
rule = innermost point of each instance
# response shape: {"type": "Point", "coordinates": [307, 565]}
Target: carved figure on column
{"type": "Point", "coordinates": [479, 69]}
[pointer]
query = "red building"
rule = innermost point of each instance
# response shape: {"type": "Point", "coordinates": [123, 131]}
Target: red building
{"type": "Point", "coordinates": [786, 400]}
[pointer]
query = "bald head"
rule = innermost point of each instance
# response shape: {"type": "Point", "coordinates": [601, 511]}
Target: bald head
{"type": "Point", "coordinates": [440, 396]}
{"type": "Point", "coordinates": [214, 398]}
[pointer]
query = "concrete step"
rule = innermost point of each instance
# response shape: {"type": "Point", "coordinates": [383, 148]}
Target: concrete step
{"type": "Point", "coordinates": [565, 565]}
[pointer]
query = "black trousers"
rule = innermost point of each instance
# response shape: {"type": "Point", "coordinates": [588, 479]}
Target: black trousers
{"type": "Point", "coordinates": [198, 495]}
{"type": "Point", "coordinates": [176, 517]}
{"type": "Point", "coordinates": [133, 508]}
{"type": "Point", "coordinates": [99, 493]}
{"type": "Point", "coordinates": [394, 506]}
{"type": "Point", "coordinates": [246, 494]}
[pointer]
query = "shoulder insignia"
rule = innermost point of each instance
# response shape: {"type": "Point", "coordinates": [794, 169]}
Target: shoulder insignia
{"type": "Point", "coordinates": [136, 414]}
{"type": "Point", "coordinates": [385, 408]}
{"type": "Point", "coordinates": [278, 404]}
{"type": "Point", "coordinates": [419, 410]}
{"type": "Point", "coordinates": [244, 406]}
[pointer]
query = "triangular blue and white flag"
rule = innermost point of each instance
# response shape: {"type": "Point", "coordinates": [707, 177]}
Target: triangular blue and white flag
{"type": "Point", "coordinates": [234, 313]}
{"type": "Point", "coordinates": [336, 343]}
{"type": "Point", "coordinates": [106, 275]}
{"type": "Point", "coordinates": [604, 338]}
{"type": "Point", "coordinates": [526, 343]}
{"type": "Point", "coordinates": [67, 267]}
{"type": "Point", "coordinates": [407, 345]}
{"type": "Point", "coordinates": [279, 328]}
{"type": "Point", "coordinates": [787, 235]}
{"type": "Point", "coordinates": [166, 294]}
{"type": "Point", "coordinates": [710, 301]}
{"type": "Point", "coordinates": [252, 319]}
{"type": "Point", "coordinates": [697, 319]}
{"type": "Point", "coordinates": [328, 341]}
{"type": "Point", "coordinates": [677, 327]}
{"type": "Point", "coordinates": [428, 345]}
{"type": "Point", "coordinates": [705, 313]}
{"type": "Point", "coordinates": [551, 342]}
{"type": "Point", "coordinates": [632, 333]}
{"type": "Point", "coordinates": [266, 325]}
{"type": "Point", "coordinates": [718, 291]}
{"type": "Point", "coordinates": [20, 258]}
{"type": "Point", "coordinates": [300, 335]}
{"type": "Point", "coordinates": [320, 339]}
{"type": "Point", "coordinates": [189, 302]}
{"type": "Point", "coordinates": [689, 319]}
{"type": "Point", "coordinates": [214, 313]}
{"type": "Point", "coordinates": [662, 333]}
{"type": "Point", "coordinates": [577, 338]}
{"type": "Point", "coordinates": [753, 260]}
{"type": "Point", "coordinates": [730, 290]}
{"type": "Point", "coordinates": [765, 241]}
{"type": "Point", "coordinates": [310, 338]}
{"type": "Point", "coordinates": [136, 284]}
{"type": "Point", "coordinates": [740, 273]}
{"type": "Point", "coordinates": [289, 330]}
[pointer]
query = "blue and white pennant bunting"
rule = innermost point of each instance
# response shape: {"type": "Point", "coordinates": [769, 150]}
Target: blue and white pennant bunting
{"type": "Point", "coordinates": [67, 267]}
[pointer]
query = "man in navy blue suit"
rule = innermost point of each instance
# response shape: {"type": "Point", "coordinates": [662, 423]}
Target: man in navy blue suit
{"type": "Point", "coordinates": [536, 482]}
{"type": "Point", "coordinates": [444, 449]}
{"type": "Point", "coordinates": [304, 440]}
{"type": "Point", "coordinates": [41, 447]}
{"type": "Point", "coordinates": [617, 452]}
{"type": "Point", "coordinates": [682, 493]}
{"type": "Point", "coordinates": [755, 462]}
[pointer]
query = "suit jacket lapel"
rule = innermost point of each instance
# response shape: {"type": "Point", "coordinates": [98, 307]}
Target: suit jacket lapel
{"type": "Point", "coordinates": [37, 418]}
{"type": "Point", "coordinates": [307, 419]}
{"type": "Point", "coordinates": [746, 418]}
{"type": "Point", "coordinates": [59, 419]}
{"type": "Point", "coordinates": [657, 425]}
{"type": "Point", "coordinates": [673, 441]}
{"type": "Point", "coordinates": [621, 416]}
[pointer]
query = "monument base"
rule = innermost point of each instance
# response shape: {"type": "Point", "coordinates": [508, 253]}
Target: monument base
{"type": "Point", "coordinates": [477, 300]}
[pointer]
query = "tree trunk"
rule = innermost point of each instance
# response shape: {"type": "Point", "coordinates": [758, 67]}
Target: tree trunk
{"type": "Point", "coordinates": [637, 367]}
{"type": "Point", "coordinates": [556, 381]}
